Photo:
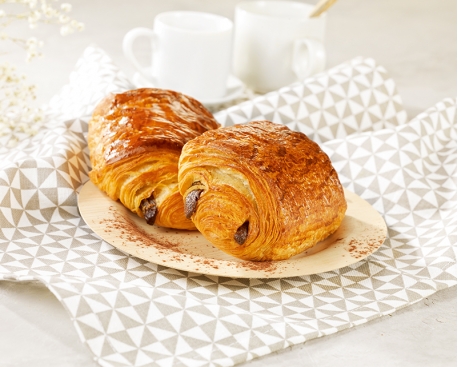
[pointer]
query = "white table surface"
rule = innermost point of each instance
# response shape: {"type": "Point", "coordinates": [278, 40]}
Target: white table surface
{"type": "Point", "coordinates": [416, 42]}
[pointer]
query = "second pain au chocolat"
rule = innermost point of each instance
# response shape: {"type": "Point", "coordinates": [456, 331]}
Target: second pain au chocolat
{"type": "Point", "coordinates": [260, 191]}
{"type": "Point", "coordinates": [135, 140]}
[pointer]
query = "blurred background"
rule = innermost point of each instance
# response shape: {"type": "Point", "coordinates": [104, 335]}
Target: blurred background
{"type": "Point", "coordinates": [415, 40]}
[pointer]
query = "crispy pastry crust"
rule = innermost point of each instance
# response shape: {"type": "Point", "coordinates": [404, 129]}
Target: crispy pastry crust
{"type": "Point", "coordinates": [135, 140]}
{"type": "Point", "coordinates": [266, 192]}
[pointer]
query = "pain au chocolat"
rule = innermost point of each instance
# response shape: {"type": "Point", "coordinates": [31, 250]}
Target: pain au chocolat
{"type": "Point", "coordinates": [260, 191]}
{"type": "Point", "coordinates": [135, 140]}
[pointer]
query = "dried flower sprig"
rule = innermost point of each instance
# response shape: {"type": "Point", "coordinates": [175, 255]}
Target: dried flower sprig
{"type": "Point", "coordinates": [36, 12]}
{"type": "Point", "coordinates": [16, 96]}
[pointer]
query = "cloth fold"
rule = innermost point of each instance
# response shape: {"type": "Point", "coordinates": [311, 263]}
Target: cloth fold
{"type": "Point", "coordinates": [130, 312]}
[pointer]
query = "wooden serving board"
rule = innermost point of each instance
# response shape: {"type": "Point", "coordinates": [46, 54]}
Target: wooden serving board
{"type": "Point", "coordinates": [361, 233]}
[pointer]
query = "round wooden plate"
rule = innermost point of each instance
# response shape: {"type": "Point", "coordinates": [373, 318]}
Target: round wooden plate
{"type": "Point", "coordinates": [361, 233]}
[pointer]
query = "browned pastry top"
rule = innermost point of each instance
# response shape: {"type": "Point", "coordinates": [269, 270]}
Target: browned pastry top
{"type": "Point", "coordinates": [260, 191]}
{"type": "Point", "coordinates": [143, 119]}
{"type": "Point", "coordinates": [288, 160]}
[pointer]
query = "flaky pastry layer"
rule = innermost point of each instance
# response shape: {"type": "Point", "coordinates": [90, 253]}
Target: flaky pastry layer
{"type": "Point", "coordinates": [135, 140]}
{"type": "Point", "coordinates": [260, 191]}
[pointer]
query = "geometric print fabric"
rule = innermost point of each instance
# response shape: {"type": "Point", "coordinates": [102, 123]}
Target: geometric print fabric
{"type": "Point", "coordinates": [131, 312]}
{"type": "Point", "coordinates": [349, 98]}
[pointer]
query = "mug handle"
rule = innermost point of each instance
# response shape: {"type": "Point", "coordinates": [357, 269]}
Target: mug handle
{"type": "Point", "coordinates": [309, 57]}
{"type": "Point", "coordinates": [127, 47]}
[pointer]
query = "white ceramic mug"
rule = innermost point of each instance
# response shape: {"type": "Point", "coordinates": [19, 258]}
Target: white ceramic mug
{"type": "Point", "coordinates": [191, 53]}
{"type": "Point", "coordinates": [277, 43]}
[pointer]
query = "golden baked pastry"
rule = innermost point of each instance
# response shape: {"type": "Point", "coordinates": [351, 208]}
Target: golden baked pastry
{"type": "Point", "coordinates": [135, 140]}
{"type": "Point", "coordinates": [260, 191]}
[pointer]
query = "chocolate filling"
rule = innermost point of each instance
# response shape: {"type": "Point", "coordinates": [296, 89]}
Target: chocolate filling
{"type": "Point", "coordinates": [190, 203]}
{"type": "Point", "coordinates": [242, 233]}
{"type": "Point", "coordinates": [149, 208]}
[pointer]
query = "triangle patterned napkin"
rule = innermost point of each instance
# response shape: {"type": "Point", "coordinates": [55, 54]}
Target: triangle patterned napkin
{"type": "Point", "coordinates": [130, 312]}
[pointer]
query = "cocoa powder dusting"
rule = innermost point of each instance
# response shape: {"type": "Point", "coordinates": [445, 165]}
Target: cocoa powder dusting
{"type": "Point", "coordinates": [266, 266]}
{"type": "Point", "coordinates": [364, 247]}
{"type": "Point", "coordinates": [208, 262]}
{"type": "Point", "coordinates": [131, 233]}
